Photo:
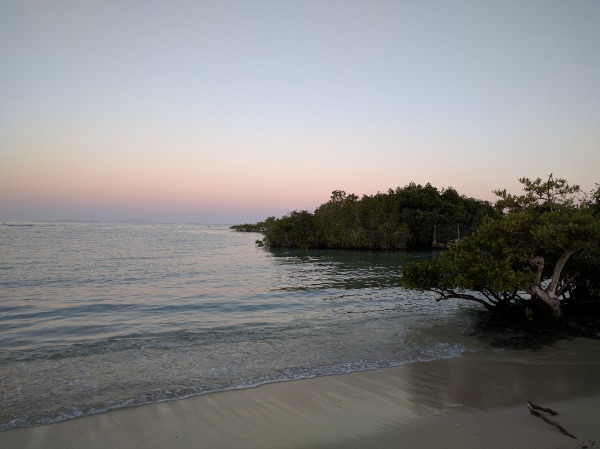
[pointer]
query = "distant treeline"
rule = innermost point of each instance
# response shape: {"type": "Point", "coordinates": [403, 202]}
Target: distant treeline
{"type": "Point", "coordinates": [250, 227]}
{"type": "Point", "coordinates": [403, 218]}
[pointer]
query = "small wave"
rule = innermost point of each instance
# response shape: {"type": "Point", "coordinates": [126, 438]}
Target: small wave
{"type": "Point", "coordinates": [440, 351]}
{"type": "Point", "coordinates": [167, 341]}
{"type": "Point", "coordinates": [18, 225]}
{"type": "Point", "coordinates": [111, 316]}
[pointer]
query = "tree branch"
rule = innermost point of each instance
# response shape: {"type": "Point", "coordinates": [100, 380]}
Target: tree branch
{"type": "Point", "coordinates": [567, 284]}
{"type": "Point", "coordinates": [489, 295]}
{"type": "Point", "coordinates": [541, 409]}
{"type": "Point", "coordinates": [560, 264]}
{"type": "Point", "coordinates": [537, 413]}
{"type": "Point", "coordinates": [538, 262]}
{"type": "Point", "coordinates": [451, 294]}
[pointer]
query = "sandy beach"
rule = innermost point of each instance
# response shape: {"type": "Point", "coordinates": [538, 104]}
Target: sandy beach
{"type": "Point", "coordinates": [474, 401]}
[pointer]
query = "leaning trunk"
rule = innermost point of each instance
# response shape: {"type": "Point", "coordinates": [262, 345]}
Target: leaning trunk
{"type": "Point", "coordinates": [550, 299]}
{"type": "Point", "coordinates": [550, 294]}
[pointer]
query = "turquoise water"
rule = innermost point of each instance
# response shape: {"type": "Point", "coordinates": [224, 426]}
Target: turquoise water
{"type": "Point", "coordinates": [96, 316]}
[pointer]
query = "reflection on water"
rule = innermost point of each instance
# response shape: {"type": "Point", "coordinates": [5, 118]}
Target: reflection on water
{"type": "Point", "coordinates": [324, 269]}
{"type": "Point", "coordinates": [476, 382]}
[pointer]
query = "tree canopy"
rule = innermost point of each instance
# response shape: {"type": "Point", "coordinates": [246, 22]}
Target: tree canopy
{"type": "Point", "coordinates": [543, 253]}
{"type": "Point", "coordinates": [401, 218]}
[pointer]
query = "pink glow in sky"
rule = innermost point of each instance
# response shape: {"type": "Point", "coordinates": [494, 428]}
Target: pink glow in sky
{"type": "Point", "coordinates": [231, 111]}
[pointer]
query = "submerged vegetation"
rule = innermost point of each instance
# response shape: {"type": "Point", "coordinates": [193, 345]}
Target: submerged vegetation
{"type": "Point", "coordinates": [404, 218]}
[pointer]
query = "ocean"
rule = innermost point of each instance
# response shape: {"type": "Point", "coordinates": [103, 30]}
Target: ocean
{"type": "Point", "coordinates": [98, 316]}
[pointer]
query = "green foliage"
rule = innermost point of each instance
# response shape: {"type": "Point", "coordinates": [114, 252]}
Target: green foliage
{"type": "Point", "coordinates": [541, 195]}
{"type": "Point", "coordinates": [543, 253]}
{"type": "Point", "coordinates": [294, 230]}
{"type": "Point", "coordinates": [593, 200]}
{"type": "Point", "coordinates": [399, 219]}
{"type": "Point", "coordinates": [250, 227]}
{"type": "Point", "coordinates": [348, 222]}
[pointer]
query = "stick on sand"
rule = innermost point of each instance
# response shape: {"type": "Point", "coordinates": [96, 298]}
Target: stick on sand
{"type": "Point", "coordinates": [535, 411]}
{"type": "Point", "coordinates": [541, 409]}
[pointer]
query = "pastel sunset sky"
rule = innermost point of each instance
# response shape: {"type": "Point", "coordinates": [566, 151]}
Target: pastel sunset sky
{"type": "Point", "coordinates": [231, 111]}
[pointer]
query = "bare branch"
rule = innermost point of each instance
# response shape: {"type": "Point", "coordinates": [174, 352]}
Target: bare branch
{"type": "Point", "coordinates": [560, 264]}
{"type": "Point", "coordinates": [451, 294]}
{"type": "Point", "coordinates": [567, 284]}
{"type": "Point", "coordinates": [539, 414]}
{"type": "Point", "coordinates": [541, 409]}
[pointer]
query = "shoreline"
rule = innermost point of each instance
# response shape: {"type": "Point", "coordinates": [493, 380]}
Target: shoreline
{"type": "Point", "coordinates": [477, 400]}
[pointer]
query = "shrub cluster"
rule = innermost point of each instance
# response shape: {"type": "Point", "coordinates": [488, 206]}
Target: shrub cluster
{"type": "Point", "coordinates": [403, 218]}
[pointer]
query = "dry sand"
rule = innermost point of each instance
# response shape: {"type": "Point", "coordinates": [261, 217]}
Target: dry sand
{"type": "Point", "coordinates": [474, 401]}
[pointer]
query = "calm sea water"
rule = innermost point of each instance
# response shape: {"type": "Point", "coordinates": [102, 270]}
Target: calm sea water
{"type": "Point", "coordinates": [98, 316]}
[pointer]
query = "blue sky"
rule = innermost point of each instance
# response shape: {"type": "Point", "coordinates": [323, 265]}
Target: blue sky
{"type": "Point", "coordinates": [230, 111]}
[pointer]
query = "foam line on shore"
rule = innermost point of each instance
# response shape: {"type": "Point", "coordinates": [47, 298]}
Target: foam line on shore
{"type": "Point", "coordinates": [468, 401]}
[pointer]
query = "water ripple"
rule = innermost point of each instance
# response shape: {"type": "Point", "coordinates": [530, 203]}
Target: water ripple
{"type": "Point", "coordinates": [95, 316]}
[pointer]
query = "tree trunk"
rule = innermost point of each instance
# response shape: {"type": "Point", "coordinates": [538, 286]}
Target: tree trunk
{"type": "Point", "coordinates": [550, 299]}
{"type": "Point", "coordinates": [550, 294]}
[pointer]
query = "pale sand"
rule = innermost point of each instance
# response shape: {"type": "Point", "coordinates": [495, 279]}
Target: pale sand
{"type": "Point", "coordinates": [475, 401]}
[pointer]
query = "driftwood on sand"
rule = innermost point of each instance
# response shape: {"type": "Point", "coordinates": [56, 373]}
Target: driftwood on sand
{"type": "Point", "coordinates": [538, 411]}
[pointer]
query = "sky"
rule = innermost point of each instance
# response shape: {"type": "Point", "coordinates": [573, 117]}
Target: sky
{"type": "Point", "coordinates": [231, 111]}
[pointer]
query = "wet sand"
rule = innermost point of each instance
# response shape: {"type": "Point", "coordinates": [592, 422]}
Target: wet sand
{"type": "Point", "coordinates": [474, 401]}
